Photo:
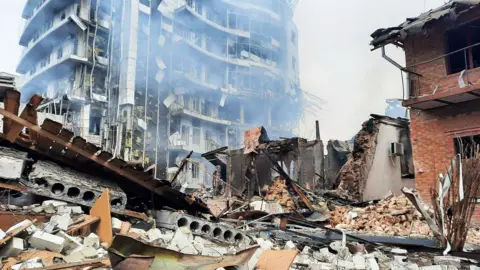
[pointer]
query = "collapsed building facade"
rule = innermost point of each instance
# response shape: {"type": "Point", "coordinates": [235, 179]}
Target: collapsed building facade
{"type": "Point", "coordinates": [442, 71]}
{"type": "Point", "coordinates": [381, 160]}
{"type": "Point", "coordinates": [150, 80]}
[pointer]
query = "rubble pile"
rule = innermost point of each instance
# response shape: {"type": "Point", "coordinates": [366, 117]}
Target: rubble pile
{"type": "Point", "coordinates": [278, 192]}
{"type": "Point", "coordinates": [34, 245]}
{"type": "Point", "coordinates": [394, 215]}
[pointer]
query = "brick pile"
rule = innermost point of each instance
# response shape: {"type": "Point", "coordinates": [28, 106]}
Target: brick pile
{"type": "Point", "coordinates": [278, 192]}
{"type": "Point", "coordinates": [392, 216]}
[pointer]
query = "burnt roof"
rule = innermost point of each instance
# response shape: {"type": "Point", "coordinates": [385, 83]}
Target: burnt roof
{"type": "Point", "coordinates": [449, 12]}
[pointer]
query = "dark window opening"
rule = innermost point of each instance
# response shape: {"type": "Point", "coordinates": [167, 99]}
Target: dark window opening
{"type": "Point", "coordinates": [468, 146]}
{"type": "Point", "coordinates": [459, 43]}
{"type": "Point", "coordinates": [95, 121]}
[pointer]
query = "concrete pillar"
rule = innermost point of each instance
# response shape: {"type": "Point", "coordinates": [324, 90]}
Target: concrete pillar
{"type": "Point", "coordinates": [128, 63]}
{"type": "Point", "coordinates": [85, 120]}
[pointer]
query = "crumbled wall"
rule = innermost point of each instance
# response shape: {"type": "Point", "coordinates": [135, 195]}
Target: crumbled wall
{"type": "Point", "coordinates": [354, 174]}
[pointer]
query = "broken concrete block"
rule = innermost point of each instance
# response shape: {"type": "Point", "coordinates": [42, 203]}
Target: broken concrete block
{"type": "Point", "coordinates": [324, 255]}
{"type": "Point", "coordinates": [264, 244]}
{"type": "Point", "coordinates": [64, 210]}
{"type": "Point", "coordinates": [91, 240]}
{"type": "Point", "coordinates": [42, 240]}
{"type": "Point", "coordinates": [214, 251]}
{"type": "Point", "coordinates": [399, 251]}
{"type": "Point", "coordinates": [439, 267]}
{"type": "Point", "coordinates": [71, 244]}
{"type": "Point", "coordinates": [76, 210]}
{"type": "Point", "coordinates": [74, 257]}
{"type": "Point", "coordinates": [359, 262]}
{"type": "Point", "coordinates": [53, 203]}
{"type": "Point", "coordinates": [321, 266]}
{"type": "Point", "coordinates": [13, 248]}
{"type": "Point", "coordinates": [18, 225]}
{"type": "Point", "coordinates": [32, 263]}
{"type": "Point", "coordinates": [474, 267]}
{"type": "Point", "coordinates": [168, 236]}
{"type": "Point", "coordinates": [290, 245]}
{"type": "Point", "coordinates": [269, 207]}
{"type": "Point", "coordinates": [154, 234]}
{"type": "Point", "coordinates": [447, 260]}
{"type": "Point", "coordinates": [343, 264]}
{"type": "Point", "coordinates": [50, 226]}
{"type": "Point", "coordinates": [117, 225]}
{"type": "Point", "coordinates": [81, 254]}
{"type": "Point", "coordinates": [64, 221]}
{"type": "Point", "coordinates": [182, 242]}
{"type": "Point", "coordinates": [37, 210]}
{"type": "Point", "coordinates": [371, 262]}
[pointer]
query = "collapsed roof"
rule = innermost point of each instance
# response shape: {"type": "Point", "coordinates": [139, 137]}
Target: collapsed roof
{"type": "Point", "coordinates": [448, 12]}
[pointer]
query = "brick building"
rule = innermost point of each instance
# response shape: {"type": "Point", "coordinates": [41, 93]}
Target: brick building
{"type": "Point", "coordinates": [442, 89]}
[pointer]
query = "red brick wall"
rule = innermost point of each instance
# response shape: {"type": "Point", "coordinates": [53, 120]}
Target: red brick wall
{"type": "Point", "coordinates": [433, 131]}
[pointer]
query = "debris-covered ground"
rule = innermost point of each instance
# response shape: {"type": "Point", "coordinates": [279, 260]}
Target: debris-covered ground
{"type": "Point", "coordinates": [59, 213]}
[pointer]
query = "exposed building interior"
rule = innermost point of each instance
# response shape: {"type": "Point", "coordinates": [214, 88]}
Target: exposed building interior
{"type": "Point", "coordinates": [150, 81]}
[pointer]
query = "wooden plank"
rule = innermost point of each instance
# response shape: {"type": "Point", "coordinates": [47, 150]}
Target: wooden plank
{"type": "Point", "coordinates": [125, 227]}
{"type": "Point", "coordinates": [13, 233]}
{"type": "Point", "coordinates": [101, 209]}
{"type": "Point", "coordinates": [276, 259]}
{"type": "Point", "coordinates": [89, 220]}
{"type": "Point", "coordinates": [180, 168]}
{"type": "Point", "coordinates": [14, 187]}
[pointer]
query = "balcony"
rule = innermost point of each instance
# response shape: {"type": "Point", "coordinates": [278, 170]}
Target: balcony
{"type": "Point", "coordinates": [188, 77]}
{"type": "Point", "coordinates": [178, 109]}
{"type": "Point", "coordinates": [29, 7]}
{"type": "Point", "coordinates": [253, 5]}
{"type": "Point", "coordinates": [221, 56]}
{"type": "Point", "coordinates": [48, 40]}
{"type": "Point", "coordinates": [40, 15]}
{"type": "Point", "coordinates": [438, 89]}
{"type": "Point", "coordinates": [185, 142]}
{"type": "Point", "coordinates": [214, 21]}
{"type": "Point", "coordinates": [58, 62]}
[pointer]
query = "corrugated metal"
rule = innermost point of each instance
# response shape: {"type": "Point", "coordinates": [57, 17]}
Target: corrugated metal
{"type": "Point", "coordinates": [449, 11]}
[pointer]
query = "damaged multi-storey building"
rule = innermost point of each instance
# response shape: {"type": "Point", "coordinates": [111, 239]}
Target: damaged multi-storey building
{"type": "Point", "coordinates": [151, 80]}
{"type": "Point", "coordinates": [442, 72]}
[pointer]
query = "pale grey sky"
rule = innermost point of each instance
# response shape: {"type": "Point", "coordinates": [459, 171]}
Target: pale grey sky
{"type": "Point", "coordinates": [335, 59]}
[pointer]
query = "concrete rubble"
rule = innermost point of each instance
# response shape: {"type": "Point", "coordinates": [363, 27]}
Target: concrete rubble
{"type": "Point", "coordinates": [317, 229]}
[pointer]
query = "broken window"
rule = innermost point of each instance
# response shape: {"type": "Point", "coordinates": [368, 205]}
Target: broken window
{"type": "Point", "coordinates": [467, 147]}
{"type": "Point", "coordinates": [294, 63]}
{"type": "Point", "coordinates": [294, 37]}
{"type": "Point", "coordinates": [60, 53]}
{"type": "Point", "coordinates": [195, 170]}
{"type": "Point", "coordinates": [95, 121]}
{"type": "Point", "coordinates": [186, 134]}
{"type": "Point", "coordinates": [459, 43]}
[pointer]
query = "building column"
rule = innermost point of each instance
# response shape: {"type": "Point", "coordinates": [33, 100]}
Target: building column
{"type": "Point", "coordinates": [85, 120]}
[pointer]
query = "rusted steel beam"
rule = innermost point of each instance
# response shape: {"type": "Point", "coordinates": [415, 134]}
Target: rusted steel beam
{"type": "Point", "coordinates": [182, 165]}
{"type": "Point", "coordinates": [29, 114]}
{"type": "Point", "coordinates": [32, 127]}
{"type": "Point", "coordinates": [12, 104]}
{"type": "Point", "coordinates": [14, 187]}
